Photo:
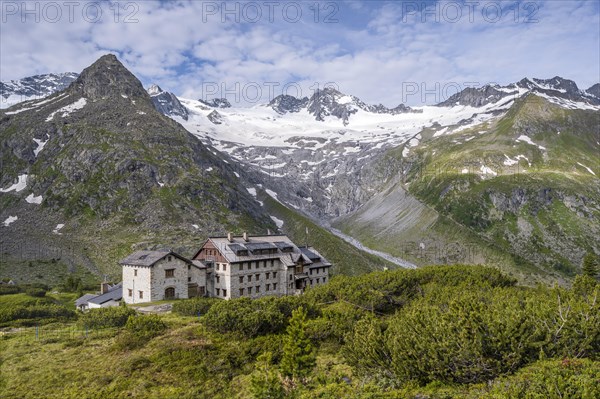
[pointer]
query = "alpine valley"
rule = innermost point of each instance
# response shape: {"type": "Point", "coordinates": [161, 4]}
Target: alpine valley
{"type": "Point", "coordinates": [95, 166]}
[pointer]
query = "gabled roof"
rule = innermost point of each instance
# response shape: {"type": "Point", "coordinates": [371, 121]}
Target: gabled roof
{"type": "Point", "coordinates": [149, 258]}
{"type": "Point", "coordinates": [115, 294]}
{"type": "Point", "coordinates": [275, 243]}
{"type": "Point", "coordinates": [309, 254]}
{"type": "Point", "coordinates": [84, 299]}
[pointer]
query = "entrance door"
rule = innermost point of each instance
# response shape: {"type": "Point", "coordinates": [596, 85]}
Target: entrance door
{"type": "Point", "coordinates": [170, 293]}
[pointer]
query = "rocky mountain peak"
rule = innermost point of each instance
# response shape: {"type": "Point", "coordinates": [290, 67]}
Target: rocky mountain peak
{"type": "Point", "coordinates": [475, 97]}
{"type": "Point", "coordinates": [285, 103]}
{"type": "Point", "coordinates": [154, 90]}
{"type": "Point", "coordinates": [34, 87]}
{"type": "Point", "coordinates": [559, 84]}
{"type": "Point", "coordinates": [216, 103]}
{"type": "Point", "coordinates": [167, 103]}
{"type": "Point", "coordinates": [594, 90]}
{"type": "Point", "coordinates": [108, 78]}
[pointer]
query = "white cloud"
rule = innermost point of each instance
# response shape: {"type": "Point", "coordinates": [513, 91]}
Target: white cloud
{"type": "Point", "coordinates": [370, 52]}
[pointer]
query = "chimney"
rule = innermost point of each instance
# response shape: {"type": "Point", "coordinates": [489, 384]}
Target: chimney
{"type": "Point", "coordinates": [230, 237]}
{"type": "Point", "coordinates": [245, 236]}
{"type": "Point", "coordinates": [104, 287]}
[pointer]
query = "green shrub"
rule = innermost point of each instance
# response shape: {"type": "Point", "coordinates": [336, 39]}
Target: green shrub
{"type": "Point", "coordinates": [459, 335]}
{"type": "Point", "coordinates": [194, 306]}
{"type": "Point", "coordinates": [253, 317]}
{"type": "Point", "coordinates": [9, 289]}
{"type": "Point", "coordinates": [139, 330]}
{"type": "Point", "coordinates": [554, 379]}
{"type": "Point", "coordinates": [36, 292]}
{"type": "Point", "coordinates": [106, 317]}
{"type": "Point", "coordinates": [29, 315]}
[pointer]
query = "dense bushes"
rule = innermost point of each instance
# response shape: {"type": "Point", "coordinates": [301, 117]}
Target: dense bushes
{"type": "Point", "coordinates": [6, 289]}
{"type": "Point", "coordinates": [31, 314]}
{"type": "Point", "coordinates": [253, 317]}
{"type": "Point", "coordinates": [139, 330]}
{"type": "Point", "coordinates": [384, 292]}
{"type": "Point", "coordinates": [475, 333]}
{"type": "Point", "coordinates": [36, 292]}
{"type": "Point", "coordinates": [106, 317]}
{"type": "Point", "coordinates": [194, 306]}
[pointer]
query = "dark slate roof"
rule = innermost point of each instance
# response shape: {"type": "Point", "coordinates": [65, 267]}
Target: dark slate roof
{"type": "Point", "coordinates": [236, 247]}
{"type": "Point", "coordinates": [257, 246]}
{"type": "Point", "coordinates": [149, 258]}
{"type": "Point", "coordinates": [309, 254]}
{"type": "Point", "coordinates": [84, 299]}
{"type": "Point", "coordinates": [116, 293]}
{"type": "Point", "coordinates": [283, 245]}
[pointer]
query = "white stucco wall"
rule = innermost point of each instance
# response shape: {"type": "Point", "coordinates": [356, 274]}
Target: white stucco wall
{"type": "Point", "coordinates": [138, 283]}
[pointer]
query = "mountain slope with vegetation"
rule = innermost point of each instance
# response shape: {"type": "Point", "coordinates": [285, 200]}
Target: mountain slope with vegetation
{"type": "Point", "coordinates": [522, 192]}
{"type": "Point", "coordinates": [98, 170]}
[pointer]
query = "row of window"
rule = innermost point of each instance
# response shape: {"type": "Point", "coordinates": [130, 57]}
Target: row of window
{"type": "Point", "coordinates": [257, 289]}
{"type": "Point", "coordinates": [218, 291]}
{"type": "Point", "coordinates": [257, 264]}
{"type": "Point", "coordinates": [318, 281]}
{"type": "Point", "coordinates": [317, 270]}
{"type": "Point", "coordinates": [224, 265]}
{"type": "Point", "coordinates": [257, 277]}
{"type": "Point", "coordinates": [140, 293]}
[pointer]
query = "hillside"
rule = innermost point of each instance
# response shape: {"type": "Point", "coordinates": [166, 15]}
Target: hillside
{"type": "Point", "coordinates": [90, 171]}
{"type": "Point", "coordinates": [520, 191]}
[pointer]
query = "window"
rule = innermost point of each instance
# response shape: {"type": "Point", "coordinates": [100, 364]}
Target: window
{"type": "Point", "coordinates": [250, 265]}
{"type": "Point", "coordinates": [317, 281]}
{"type": "Point", "coordinates": [170, 273]}
{"type": "Point", "coordinates": [241, 291]}
{"type": "Point", "coordinates": [218, 290]}
{"type": "Point", "coordinates": [201, 291]}
{"type": "Point", "coordinates": [130, 292]}
{"type": "Point", "coordinates": [324, 279]}
{"type": "Point", "coordinates": [257, 289]}
{"type": "Point", "coordinates": [268, 274]}
{"type": "Point", "coordinates": [274, 286]}
{"type": "Point", "coordinates": [224, 267]}
{"type": "Point", "coordinates": [249, 277]}
{"type": "Point", "coordinates": [272, 262]}
{"type": "Point", "coordinates": [189, 267]}
{"type": "Point", "coordinates": [135, 272]}
{"type": "Point", "coordinates": [189, 279]}
{"type": "Point", "coordinates": [265, 263]}
{"type": "Point", "coordinates": [141, 294]}
{"type": "Point", "coordinates": [169, 258]}
{"type": "Point", "coordinates": [217, 266]}
{"type": "Point", "coordinates": [218, 279]}
{"type": "Point", "coordinates": [241, 266]}
{"type": "Point", "coordinates": [249, 290]}
{"type": "Point", "coordinates": [268, 287]}
{"type": "Point", "coordinates": [291, 277]}
{"type": "Point", "coordinates": [298, 269]}
{"type": "Point", "coordinates": [241, 279]}
{"type": "Point", "coordinates": [257, 277]}
{"type": "Point", "coordinates": [311, 270]}
{"type": "Point", "coordinates": [224, 292]}
{"type": "Point", "coordinates": [274, 274]}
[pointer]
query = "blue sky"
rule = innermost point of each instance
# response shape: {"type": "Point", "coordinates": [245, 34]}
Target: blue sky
{"type": "Point", "coordinates": [411, 52]}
